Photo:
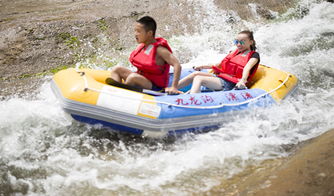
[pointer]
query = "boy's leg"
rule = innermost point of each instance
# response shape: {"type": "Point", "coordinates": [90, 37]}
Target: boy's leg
{"type": "Point", "coordinates": [135, 79]}
{"type": "Point", "coordinates": [120, 73]}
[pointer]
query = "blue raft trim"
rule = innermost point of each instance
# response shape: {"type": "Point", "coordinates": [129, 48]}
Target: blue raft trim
{"type": "Point", "coordinates": [135, 131]}
{"type": "Point", "coordinates": [193, 130]}
{"type": "Point", "coordinates": [237, 98]}
{"type": "Point", "coordinates": [107, 124]}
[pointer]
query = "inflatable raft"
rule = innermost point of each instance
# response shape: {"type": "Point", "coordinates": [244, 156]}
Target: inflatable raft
{"type": "Point", "coordinates": [84, 94]}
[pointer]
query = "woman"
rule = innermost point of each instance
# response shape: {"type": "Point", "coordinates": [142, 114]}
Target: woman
{"type": "Point", "coordinates": [235, 70]}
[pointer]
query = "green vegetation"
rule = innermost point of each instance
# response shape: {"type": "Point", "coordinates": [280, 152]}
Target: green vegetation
{"type": "Point", "coordinates": [64, 36]}
{"type": "Point", "coordinates": [59, 68]}
{"type": "Point", "coordinates": [45, 73]}
{"type": "Point", "coordinates": [39, 38]}
{"type": "Point", "coordinates": [22, 76]}
{"type": "Point", "coordinates": [98, 61]}
{"type": "Point", "coordinates": [71, 41]}
{"type": "Point", "coordinates": [102, 24]}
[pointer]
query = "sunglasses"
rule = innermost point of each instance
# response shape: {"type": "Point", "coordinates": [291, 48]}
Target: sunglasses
{"type": "Point", "coordinates": [238, 42]}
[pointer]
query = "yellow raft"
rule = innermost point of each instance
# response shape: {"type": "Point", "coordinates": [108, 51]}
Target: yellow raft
{"type": "Point", "coordinates": [84, 94]}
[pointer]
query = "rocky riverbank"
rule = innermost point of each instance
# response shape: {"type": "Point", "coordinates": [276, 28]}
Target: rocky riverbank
{"type": "Point", "coordinates": [308, 171]}
{"type": "Point", "coordinates": [37, 38]}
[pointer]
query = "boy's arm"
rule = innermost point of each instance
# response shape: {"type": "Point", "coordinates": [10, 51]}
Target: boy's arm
{"type": "Point", "coordinates": [167, 56]}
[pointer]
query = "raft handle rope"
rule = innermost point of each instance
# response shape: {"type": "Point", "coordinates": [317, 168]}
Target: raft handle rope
{"type": "Point", "coordinates": [83, 75]}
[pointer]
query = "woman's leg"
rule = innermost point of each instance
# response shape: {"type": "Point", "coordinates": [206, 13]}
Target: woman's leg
{"type": "Point", "coordinates": [211, 82]}
{"type": "Point", "coordinates": [189, 79]}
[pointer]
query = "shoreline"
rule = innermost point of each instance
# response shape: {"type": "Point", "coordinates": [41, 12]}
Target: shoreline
{"type": "Point", "coordinates": [42, 37]}
{"type": "Point", "coordinates": [307, 171]}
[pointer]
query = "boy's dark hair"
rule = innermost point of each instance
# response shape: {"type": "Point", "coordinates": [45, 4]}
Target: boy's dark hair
{"type": "Point", "coordinates": [149, 24]}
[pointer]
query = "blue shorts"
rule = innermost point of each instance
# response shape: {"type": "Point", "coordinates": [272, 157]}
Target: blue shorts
{"type": "Point", "coordinates": [156, 88]}
{"type": "Point", "coordinates": [227, 85]}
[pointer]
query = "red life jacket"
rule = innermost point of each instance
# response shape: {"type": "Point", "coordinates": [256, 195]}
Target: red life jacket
{"type": "Point", "coordinates": [232, 66]}
{"type": "Point", "coordinates": [144, 59]}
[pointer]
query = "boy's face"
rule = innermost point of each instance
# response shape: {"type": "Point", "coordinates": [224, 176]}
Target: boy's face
{"type": "Point", "coordinates": [141, 34]}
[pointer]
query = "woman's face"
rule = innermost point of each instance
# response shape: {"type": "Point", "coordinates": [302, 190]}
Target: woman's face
{"type": "Point", "coordinates": [242, 42]}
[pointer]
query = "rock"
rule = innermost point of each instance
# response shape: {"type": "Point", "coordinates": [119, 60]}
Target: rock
{"type": "Point", "coordinates": [46, 35]}
{"type": "Point", "coordinates": [265, 13]}
{"type": "Point", "coordinates": [308, 171]}
{"type": "Point", "coordinates": [242, 7]}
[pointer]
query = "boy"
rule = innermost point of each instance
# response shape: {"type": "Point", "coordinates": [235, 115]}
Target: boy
{"type": "Point", "coordinates": [152, 58]}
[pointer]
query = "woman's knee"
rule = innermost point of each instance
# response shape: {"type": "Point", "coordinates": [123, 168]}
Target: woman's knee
{"type": "Point", "coordinates": [198, 79]}
{"type": "Point", "coordinates": [196, 73]}
{"type": "Point", "coordinates": [204, 80]}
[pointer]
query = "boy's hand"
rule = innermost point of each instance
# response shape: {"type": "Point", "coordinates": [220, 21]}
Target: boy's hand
{"type": "Point", "coordinates": [172, 91]}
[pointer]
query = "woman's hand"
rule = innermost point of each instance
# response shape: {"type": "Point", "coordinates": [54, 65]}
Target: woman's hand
{"type": "Point", "coordinates": [240, 85]}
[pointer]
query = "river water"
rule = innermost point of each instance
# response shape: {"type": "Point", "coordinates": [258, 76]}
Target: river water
{"type": "Point", "coordinates": [43, 152]}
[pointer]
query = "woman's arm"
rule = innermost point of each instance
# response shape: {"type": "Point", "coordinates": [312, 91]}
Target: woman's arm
{"type": "Point", "coordinates": [245, 73]}
{"type": "Point", "coordinates": [200, 67]}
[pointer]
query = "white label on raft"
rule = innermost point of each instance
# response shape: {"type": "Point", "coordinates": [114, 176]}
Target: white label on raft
{"type": "Point", "coordinates": [150, 109]}
{"type": "Point", "coordinates": [119, 99]}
